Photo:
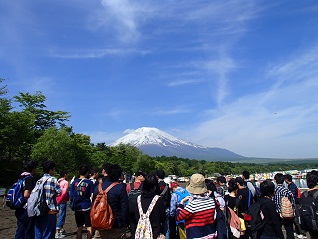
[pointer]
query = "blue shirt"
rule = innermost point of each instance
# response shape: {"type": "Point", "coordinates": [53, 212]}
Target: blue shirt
{"type": "Point", "coordinates": [82, 190]}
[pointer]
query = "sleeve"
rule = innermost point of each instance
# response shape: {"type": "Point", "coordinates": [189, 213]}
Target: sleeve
{"type": "Point", "coordinates": [28, 183]}
{"type": "Point", "coordinates": [173, 204]}
{"type": "Point", "coordinates": [182, 213]}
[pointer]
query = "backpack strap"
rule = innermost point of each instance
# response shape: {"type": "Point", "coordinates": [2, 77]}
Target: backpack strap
{"type": "Point", "coordinates": [132, 186]}
{"type": "Point", "coordinates": [111, 186]}
{"type": "Point", "coordinates": [164, 191]}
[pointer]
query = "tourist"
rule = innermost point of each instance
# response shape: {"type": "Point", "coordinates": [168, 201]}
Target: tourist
{"type": "Point", "coordinates": [62, 203]}
{"type": "Point", "coordinates": [199, 212]}
{"type": "Point", "coordinates": [25, 225]}
{"type": "Point", "coordinates": [81, 192]}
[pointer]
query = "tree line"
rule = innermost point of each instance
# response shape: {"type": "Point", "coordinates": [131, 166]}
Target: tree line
{"type": "Point", "coordinates": [31, 131]}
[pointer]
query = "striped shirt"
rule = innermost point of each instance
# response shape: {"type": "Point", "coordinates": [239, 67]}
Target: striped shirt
{"type": "Point", "coordinates": [199, 217]}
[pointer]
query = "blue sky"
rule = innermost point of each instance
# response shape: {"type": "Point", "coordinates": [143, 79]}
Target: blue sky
{"type": "Point", "coordinates": [240, 75]}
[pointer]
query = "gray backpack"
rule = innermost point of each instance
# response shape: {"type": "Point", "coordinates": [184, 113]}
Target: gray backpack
{"type": "Point", "coordinates": [37, 205]}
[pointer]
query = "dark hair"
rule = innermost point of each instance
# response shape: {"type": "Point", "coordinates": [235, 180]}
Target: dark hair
{"type": "Point", "coordinates": [239, 180]}
{"type": "Point", "coordinates": [267, 188]}
{"type": "Point", "coordinates": [221, 179]}
{"type": "Point", "coordinates": [210, 185]}
{"type": "Point", "coordinates": [30, 165]}
{"type": "Point", "coordinates": [139, 172]}
{"type": "Point", "coordinates": [48, 165]}
{"type": "Point", "coordinates": [232, 186]}
{"type": "Point", "coordinates": [63, 172]}
{"type": "Point", "coordinates": [106, 167]}
{"type": "Point", "coordinates": [83, 170]}
{"type": "Point", "coordinates": [160, 173]}
{"type": "Point", "coordinates": [114, 172]}
{"type": "Point", "coordinates": [279, 178]}
{"type": "Point", "coordinates": [246, 174]}
{"type": "Point", "coordinates": [288, 177]}
{"type": "Point", "coordinates": [312, 179]}
{"type": "Point", "coordinates": [150, 183]}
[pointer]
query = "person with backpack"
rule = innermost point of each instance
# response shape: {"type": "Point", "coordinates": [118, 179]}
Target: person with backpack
{"type": "Point", "coordinates": [134, 189]}
{"type": "Point", "coordinates": [294, 190]}
{"type": "Point", "coordinates": [163, 190]}
{"type": "Point", "coordinates": [177, 227]}
{"type": "Point", "coordinates": [248, 183]}
{"type": "Point", "coordinates": [80, 193]}
{"type": "Point", "coordinates": [308, 210]}
{"type": "Point", "coordinates": [150, 211]}
{"type": "Point", "coordinates": [117, 199]}
{"type": "Point", "coordinates": [62, 203]}
{"type": "Point", "coordinates": [221, 186]}
{"type": "Point", "coordinates": [17, 200]}
{"type": "Point", "coordinates": [265, 223]}
{"type": "Point", "coordinates": [199, 212]}
{"type": "Point", "coordinates": [45, 225]}
{"type": "Point", "coordinates": [283, 194]}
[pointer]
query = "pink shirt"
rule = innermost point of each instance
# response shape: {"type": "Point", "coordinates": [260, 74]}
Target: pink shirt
{"type": "Point", "coordinates": [64, 194]}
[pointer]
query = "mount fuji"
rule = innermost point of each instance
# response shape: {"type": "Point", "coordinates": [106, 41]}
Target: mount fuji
{"type": "Point", "coordinates": [155, 142]}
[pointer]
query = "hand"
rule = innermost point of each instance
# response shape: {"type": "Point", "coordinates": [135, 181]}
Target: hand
{"type": "Point", "coordinates": [185, 200]}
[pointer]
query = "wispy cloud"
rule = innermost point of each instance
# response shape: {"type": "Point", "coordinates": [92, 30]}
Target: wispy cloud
{"type": "Point", "coordinates": [177, 110]}
{"type": "Point", "coordinates": [183, 82]}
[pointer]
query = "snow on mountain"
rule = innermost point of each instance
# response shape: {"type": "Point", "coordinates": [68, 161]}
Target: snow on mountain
{"type": "Point", "coordinates": [155, 142]}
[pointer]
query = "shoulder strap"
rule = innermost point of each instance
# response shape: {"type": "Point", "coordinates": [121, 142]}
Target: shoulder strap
{"type": "Point", "coordinates": [164, 191]}
{"type": "Point", "coordinates": [315, 195]}
{"type": "Point", "coordinates": [80, 182]}
{"type": "Point", "coordinates": [132, 186]}
{"type": "Point", "coordinates": [111, 186]}
{"type": "Point", "coordinates": [139, 206]}
{"type": "Point", "coordinates": [152, 204]}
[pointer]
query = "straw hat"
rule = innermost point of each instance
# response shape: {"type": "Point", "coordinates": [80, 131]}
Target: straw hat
{"type": "Point", "coordinates": [197, 184]}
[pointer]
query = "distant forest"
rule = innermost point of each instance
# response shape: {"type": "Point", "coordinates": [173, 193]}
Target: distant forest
{"type": "Point", "coordinates": [31, 131]}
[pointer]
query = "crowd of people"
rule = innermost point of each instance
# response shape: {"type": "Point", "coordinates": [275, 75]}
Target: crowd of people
{"type": "Point", "coordinates": [194, 211]}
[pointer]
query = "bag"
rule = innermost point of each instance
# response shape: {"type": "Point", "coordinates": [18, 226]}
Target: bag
{"type": "Point", "coordinates": [308, 211]}
{"type": "Point", "coordinates": [102, 217]}
{"type": "Point", "coordinates": [144, 229]}
{"type": "Point", "coordinates": [181, 195]}
{"type": "Point", "coordinates": [221, 222]}
{"type": "Point", "coordinates": [72, 201]}
{"type": "Point", "coordinates": [15, 196]}
{"type": "Point", "coordinates": [132, 197]}
{"type": "Point", "coordinates": [234, 222]}
{"type": "Point", "coordinates": [37, 205]}
{"type": "Point", "coordinates": [257, 190]}
{"type": "Point", "coordinates": [287, 208]}
{"type": "Point", "coordinates": [254, 219]}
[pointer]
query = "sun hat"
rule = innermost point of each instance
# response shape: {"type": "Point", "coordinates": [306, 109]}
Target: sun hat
{"type": "Point", "coordinates": [197, 184]}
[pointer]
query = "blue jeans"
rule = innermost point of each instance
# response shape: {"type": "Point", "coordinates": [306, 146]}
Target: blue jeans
{"type": "Point", "coordinates": [62, 215]}
{"type": "Point", "coordinates": [44, 227]}
{"type": "Point", "coordinates": [25, 225]}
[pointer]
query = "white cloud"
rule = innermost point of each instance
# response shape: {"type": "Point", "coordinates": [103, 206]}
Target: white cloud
{"type": "Point", "coordinates": [183, 82]}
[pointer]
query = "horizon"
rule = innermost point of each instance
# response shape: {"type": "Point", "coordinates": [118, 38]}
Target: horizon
{"type": "Point", "coordinates": [232, 75]}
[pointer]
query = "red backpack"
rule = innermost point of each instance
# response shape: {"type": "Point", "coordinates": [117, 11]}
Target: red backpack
{"type": "Point", "coordinates": [102, 216]}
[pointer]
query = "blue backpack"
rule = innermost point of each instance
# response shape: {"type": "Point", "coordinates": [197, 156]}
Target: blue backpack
{"type": "Point", "coordinates": [15, 198]}
{"type": "Point", "coordinates": [181, 195]}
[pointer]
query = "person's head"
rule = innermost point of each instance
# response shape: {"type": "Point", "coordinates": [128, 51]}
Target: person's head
{"type": "Point", "coordinates": [279, 178]}
{"type": "Point", "coordinates": [105, 168]}
{"type": "Point", "coordinates": [232, 186]}
{"type": "Point", "coordinates": [64, 174]}
{"type": "Point", "coordinates": [140, 176]}
{"type": "Point", "coordinates": [174, 186]}
{"type": "Point", "coordinates": [221, 180]}
{"type": "Point", "coordinates": [160, 174]}
{"type": "Point", "coordinates": [288, 178]}
{"type": "Point", "coordinates": [210, 185]}
{"type": "Point", "coordinates": [267, 188]}
{"type": "Point", "coordinates": [49, 167]}
{"type": "Point", "coordinates": [83, 170]}
{"type": "Point", "coordinates": [150, 183]}
{"type": "Point", "coordinates": [245, 174]}
{"type": "Point", "coordinates": [94, 173]}
{"type": "Point", "coordinates": [312, 179]}
{"type": "Point", "coordinates": [30, 166]}
{"type": "Point", "coordinates": [197, 184]}
{"type": "Point", "coordinates": [114, 173]}
{"type": "Point", "coordinates": [239, 182]}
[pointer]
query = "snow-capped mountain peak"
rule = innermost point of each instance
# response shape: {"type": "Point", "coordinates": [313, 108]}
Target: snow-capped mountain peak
{"type": "Point", "coordinates": [152, 136]}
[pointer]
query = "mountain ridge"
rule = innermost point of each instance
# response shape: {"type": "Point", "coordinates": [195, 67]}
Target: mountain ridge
{"type": "Point", "coordinates": [155, 142]}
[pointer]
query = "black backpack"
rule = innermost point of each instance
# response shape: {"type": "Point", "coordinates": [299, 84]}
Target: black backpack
{"type": "Point", "coordinates": [254, 219]}
{"type": "Point", "coordinates": [308, 211]}
{"type": "Point", "coordinates": [132, 197]}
